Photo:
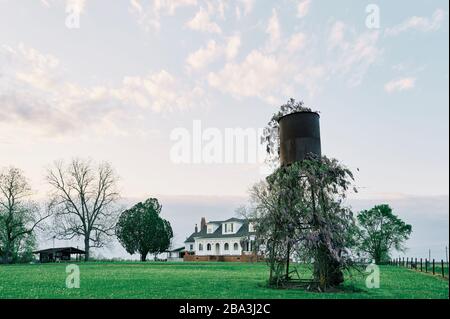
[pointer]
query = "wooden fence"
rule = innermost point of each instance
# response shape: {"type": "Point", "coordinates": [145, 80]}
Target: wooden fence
{"type": "Point", "coordinates": [423, 265]}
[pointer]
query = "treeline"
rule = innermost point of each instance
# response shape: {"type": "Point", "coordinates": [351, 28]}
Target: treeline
{"type": "Point", "coordinates": [82, 204]}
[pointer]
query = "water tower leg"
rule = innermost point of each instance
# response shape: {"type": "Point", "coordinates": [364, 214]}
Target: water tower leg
{"type": "Point", "coordinates": [287, 260]}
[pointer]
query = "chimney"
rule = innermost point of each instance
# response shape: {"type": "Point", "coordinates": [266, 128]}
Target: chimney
{"type": "Point", "coordinates": [203, 223]}
{"type": "Point", "coordinates": [196, 228]}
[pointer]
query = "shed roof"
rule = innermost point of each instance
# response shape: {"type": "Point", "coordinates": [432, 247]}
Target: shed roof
{"type": "Point", "coordinates": [70, 250]}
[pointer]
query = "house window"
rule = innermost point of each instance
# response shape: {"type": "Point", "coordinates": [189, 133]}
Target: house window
{"type": "Point", "coordinates": [200, 247]}
{"type": "Point", "coordinates": [236, 246]}
{"type": "Point", "coordinates": [191, 247]}
{"type": "Point", "coordinates": [208, 247]}
{"type": "Point", "coordinates": [229, 228]}
{"type": "Point", "coordinates": [226, 246]}
{"type": "Point", "coordinates": [251, 227]}
{"type": "Point", "coordinates": [210, 229]}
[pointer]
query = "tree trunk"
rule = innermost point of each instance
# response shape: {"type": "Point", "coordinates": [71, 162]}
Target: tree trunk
{"type": "Point", "coordinates": [326, 270]}
{"type": "Point", "coordinates": [5, 257]}
{"type": "Point", "coordinates": [143, 256]}
{"type": "Point", "coordinates": [377, 259]}
{"type": "Point", "coordinates": [86, 248]}
{"type": "Point", "coordinates": [6, 253]}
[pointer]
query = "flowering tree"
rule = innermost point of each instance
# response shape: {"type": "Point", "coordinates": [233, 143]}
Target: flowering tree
{"type": "Point", "coordinates": [299, 210]}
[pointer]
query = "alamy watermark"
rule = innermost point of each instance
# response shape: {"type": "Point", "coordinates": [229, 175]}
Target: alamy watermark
{"type": "Point", "coordinates": [373, 16]}
{"type": "Point", "coordinates": [73, 276]}
{"type": "Point", "coordinates": [373, 279]}
{"type": "Point", "coordinates": [214, 146]}
{"type": "Point", "coordinates": [73, 11]}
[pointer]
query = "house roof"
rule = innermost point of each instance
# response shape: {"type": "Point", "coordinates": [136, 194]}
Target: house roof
{"type": "Point", "coordinates": [70, 250]}
{"type": "Point", "coordinates": [242, 231]}
{"type": "Point", "coordinates": [233, 219]}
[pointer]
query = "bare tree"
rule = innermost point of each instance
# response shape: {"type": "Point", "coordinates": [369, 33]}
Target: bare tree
{"type": "Point", "coordinates": [19, 216]}
{"type": "Point", "coordinates": [83, 201]}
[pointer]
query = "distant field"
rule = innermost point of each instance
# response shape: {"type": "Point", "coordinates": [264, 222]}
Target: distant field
{"type": "Point", "coordinates": [199, 280]}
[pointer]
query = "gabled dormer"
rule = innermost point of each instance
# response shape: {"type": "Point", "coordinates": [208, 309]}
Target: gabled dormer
{"type": "Point", "coordinates": [211, 227]}
{"type": "Point", "coordinates": [231, 226]}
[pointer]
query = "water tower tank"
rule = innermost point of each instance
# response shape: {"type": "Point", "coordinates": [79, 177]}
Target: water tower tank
{"type": "Point", "coordinates": [299, 136]}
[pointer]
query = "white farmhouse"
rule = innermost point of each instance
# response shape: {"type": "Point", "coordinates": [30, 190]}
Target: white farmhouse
{"type": "Point", "coordinates": [229, 238]}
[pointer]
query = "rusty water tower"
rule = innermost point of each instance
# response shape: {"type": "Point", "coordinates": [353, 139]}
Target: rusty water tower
{"type": "Point", "coordinates": [299, 136]}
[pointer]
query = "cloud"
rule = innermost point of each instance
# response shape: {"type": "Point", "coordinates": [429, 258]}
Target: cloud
{"type": "Point", "coordinates": [202, 22]}
{"type": "Point", "coordinates": [311, 76]}
{"type": "Point", "coordinates": [212, 52]}
{"type": "Point", "coordinates": [336, 36]}
{"type": "Point", "coordinates": [255, 76]}
{"type": "Point", "coordinates": [296, 42]}
{"type": "Point", "coordinates": [45, 3]}
{"type": "Point", "coordinates": [274, 31]}
{"type": "Point", "coordinates": [204, 56]}
{"type": "Point", "coordinates": [247, 6]}
{"type": "Point", "coordinates": [351, 53]}
{"type": "Point", "coordinates": [34, 92]}
{"type": "Point", "coordinates": [74, 6]}
{"type": "Point", "coordinates": [158, 92]}
{"type": "Point", "coordinates": [233, 45]}
{"type": "Point", "coordinates": [149, 13]}
{"type": "Point", "coordinates": [303, 8]}
{"type": "Point", "coordinates": [299, 63]}
{"type": "Point", "coordinates": [422, 24]}
{"type": "Point", "coordinates": [217, 7]}
{"type": "Point", "coordinates": [170, 6]}
{"type": "Point", "coordinates": [399, 85]}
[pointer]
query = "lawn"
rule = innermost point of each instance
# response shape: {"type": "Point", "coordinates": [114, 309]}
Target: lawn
{"type": "Point", "coordinates": [199, 280]}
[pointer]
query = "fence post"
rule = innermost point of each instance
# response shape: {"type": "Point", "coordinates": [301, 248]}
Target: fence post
{"type": "Point", "coordinates": [415, 263]}
{"type": "Point", "coordinates": [420, 264]}
{"type": "Point", "coordinates": [407, 259]}
{"type": "Point", "coordinates": [434, 270]}
{"type": "Point", "coordinates": [403, 261]}
{"type": "Point", "coordinates": [426, 265]}
{"type": "Point", "coordinates": [442, 268]}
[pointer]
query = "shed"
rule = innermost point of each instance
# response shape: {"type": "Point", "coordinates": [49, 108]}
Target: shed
{"type": "Point", "coordinates": [58, 254]}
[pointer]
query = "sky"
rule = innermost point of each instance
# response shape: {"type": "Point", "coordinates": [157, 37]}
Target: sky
{"type": "Point", "coordinates": [118, 80]}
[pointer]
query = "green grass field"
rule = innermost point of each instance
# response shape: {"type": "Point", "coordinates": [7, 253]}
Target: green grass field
{"type": "Point", "coordinates": [199, 280]}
